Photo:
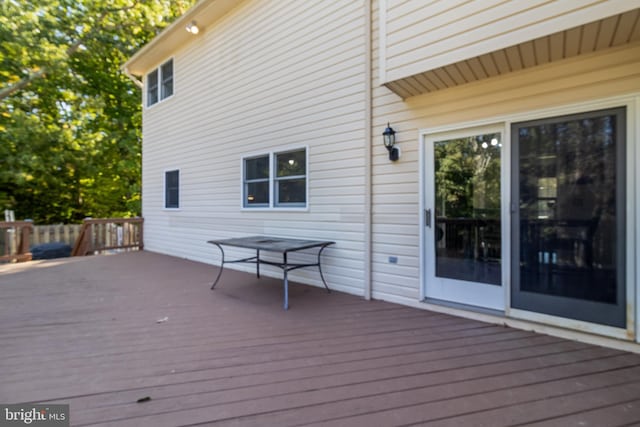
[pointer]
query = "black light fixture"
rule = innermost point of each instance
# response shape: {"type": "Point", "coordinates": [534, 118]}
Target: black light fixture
{"type": "Point", "coordinates": [389, 136]}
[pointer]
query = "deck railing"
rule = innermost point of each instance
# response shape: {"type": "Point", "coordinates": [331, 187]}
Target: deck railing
{"type": "Point", "coordinates": [62, 233]}
{"type": "Point", "coordinates": [15, 237]}
{"type": "Point", "coordinates": [106, 234]}
{"type": "Point", "coordinates": [91, 237]}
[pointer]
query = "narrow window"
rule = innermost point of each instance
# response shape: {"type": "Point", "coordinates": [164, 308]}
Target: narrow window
{"type": "Point", "coordinates": [290, 181]}
{"type": "Point", "coordinates": [160, 83]}
{"type": "Point", "coordinates": [167, 79]}
{"type": "Point", "coordinates": [152, 87]}
{"type": "Point", "coordinates": [256, 182]}
{"type": "Point", "coordinates": [172, 189]}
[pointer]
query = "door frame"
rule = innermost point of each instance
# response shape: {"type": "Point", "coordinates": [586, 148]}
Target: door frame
{"type": "Point", "coordinates": [561, 304]}
{"type": "Point", "coordinates": [632, 104]}
{"type": "Point", "coordinates": [427, 159]}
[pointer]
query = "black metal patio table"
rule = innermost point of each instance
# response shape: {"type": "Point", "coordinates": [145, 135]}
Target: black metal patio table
{"type": "Point", "coordinates": [272, 244]}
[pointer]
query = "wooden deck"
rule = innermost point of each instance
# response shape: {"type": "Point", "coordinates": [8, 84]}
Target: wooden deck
{"type": "Point", "coordinates": [85, 331]}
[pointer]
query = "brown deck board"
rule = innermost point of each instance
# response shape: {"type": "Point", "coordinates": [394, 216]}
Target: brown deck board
{"type": "Point", "coordinates": [618, 414]}
{"type": "Point", "coordinates": [83, 331]}
{"type": "Point", "coordinates": [319, 386]}
{"type": "Point", "coordinates": [374, 399]}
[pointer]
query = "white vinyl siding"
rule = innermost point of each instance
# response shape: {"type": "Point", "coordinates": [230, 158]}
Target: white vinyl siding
{"type": "Point", "coordinates": [280, 74]}
{"type": "Point", "coordinates": [396, 189]}
{"type": "Point", "coordinates": [267, 77]}
{"type": "Point", "coordinates": [419, 37]}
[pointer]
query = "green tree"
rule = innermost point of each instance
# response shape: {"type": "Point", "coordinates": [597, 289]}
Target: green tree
{"type": "Point", "coordinates": [70, 120]}
{"type": "Point", "coordinates": [467, 173]}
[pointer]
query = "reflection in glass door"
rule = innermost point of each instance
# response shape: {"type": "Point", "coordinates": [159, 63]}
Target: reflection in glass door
{"type": "Point", "coordinates": [464, 239]}
{"type": "Point", "coordinates": [568, 226]}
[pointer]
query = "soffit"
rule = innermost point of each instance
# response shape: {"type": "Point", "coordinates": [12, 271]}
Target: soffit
{"type": "Point", "coordinates": [204, 12]}
{"type": "Point", "coordinates": [611, 32]}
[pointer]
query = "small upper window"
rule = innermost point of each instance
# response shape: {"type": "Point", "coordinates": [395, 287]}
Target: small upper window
{"type": "Point", "coordinates": [275, 180]}
{"type": "Point", "coordinates": [167, 79]}
{"type": "Point", "coordinates": [160, 83]}
{"type": "Point", "coordinates": [172, 189]}
{"type": "Point", "coordinates": [152, 87]}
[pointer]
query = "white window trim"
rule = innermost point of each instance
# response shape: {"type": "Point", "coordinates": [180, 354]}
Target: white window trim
{"type": "Point", "coordinates": [272, 181]}
{"type": "Point", "coordinates": [158, 69]}
{"type": "Point", "coordinates": [164, 189]}
{"type": "Point", "coordinates": [162, 78]}
{"type": "Point", "coordinates": [147, 89]}
{"type": "Point", "coordinates": [269, 180]}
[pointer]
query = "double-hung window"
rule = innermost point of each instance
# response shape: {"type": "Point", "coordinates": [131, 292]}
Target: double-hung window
{"type": "Point", "coordinates": [166, 71]}
{"type": "Point", "coordinates": [275, 180]}
{"type": "Point", "coordinates": [290, 180]}
{"type": "Point", "coordinates": [256, 181]}
{"type": "Point", "coordinates": [160, 83]}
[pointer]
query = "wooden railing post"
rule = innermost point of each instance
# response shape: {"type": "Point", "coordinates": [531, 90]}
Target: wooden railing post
{"type": "Point", "coordinates": [81, 245]}
{"type": "Point", "coordinates": [101, 234]}
{"type": "Point", "coordinates": [24, 252]}
{"type": "Point", "coordinates": [141, 229]}
{"type": "Point", "coordinates": [20, 234]}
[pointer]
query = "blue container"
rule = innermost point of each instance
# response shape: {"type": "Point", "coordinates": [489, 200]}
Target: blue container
{"type": "Point", "coordinates": [51, 250]}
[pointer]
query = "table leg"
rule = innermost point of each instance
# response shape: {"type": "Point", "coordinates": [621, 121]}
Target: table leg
{"type": "Point", "coordinates": [286, 282]}
{"type": "Point", "coordinates": [215, 282]}
{"type": "Point", "coordinates": [320, 269]}
{"type": "Point", "coordinates": [258, 263]}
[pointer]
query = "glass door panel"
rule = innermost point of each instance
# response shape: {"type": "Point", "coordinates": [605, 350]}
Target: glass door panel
{"type": "Point", "coordinates": [467, 208]}
{"type": "Point", "coordinates": [464, 240]}
{"type": "Point", "coordinates": [568, 227]}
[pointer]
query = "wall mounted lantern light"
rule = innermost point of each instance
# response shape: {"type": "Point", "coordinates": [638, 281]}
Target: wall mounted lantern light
{"type": "Point", "coordinates": [389, 136]}
{"type": "Point", "coordinates": [192, 27]}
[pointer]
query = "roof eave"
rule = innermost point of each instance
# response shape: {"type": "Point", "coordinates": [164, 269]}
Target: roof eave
{"type": "Point", "coordinates": [204, 12]}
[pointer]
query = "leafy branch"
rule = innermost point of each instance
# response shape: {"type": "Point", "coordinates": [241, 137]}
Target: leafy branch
{"type": "Point", "coordinates": [70, 51]}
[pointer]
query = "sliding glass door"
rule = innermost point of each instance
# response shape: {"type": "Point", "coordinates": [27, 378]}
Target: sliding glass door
{"type": "Point", "coordinates": [568, 223]}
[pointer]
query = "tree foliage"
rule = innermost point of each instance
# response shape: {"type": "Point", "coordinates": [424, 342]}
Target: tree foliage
{"type": "Point", "coordinates": [70, 120]}
{"type": "Point", "coordinates": [467, 173]}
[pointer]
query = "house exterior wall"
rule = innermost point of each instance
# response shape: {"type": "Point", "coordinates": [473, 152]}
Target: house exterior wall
{"type": "Point", "coordinates": [396, 193]}
{"type": "Point", "coordinates": [273, 76]}
{"type": "Point", "coordinates": [268, 76]}
{"type": "Point", "coordinates": [586, 79]}
{"type": "Point", "coordinates": [418, 37]}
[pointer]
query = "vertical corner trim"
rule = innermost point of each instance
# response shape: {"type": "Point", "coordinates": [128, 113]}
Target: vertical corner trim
{"type": "Point", "coordinates": [382, 41]}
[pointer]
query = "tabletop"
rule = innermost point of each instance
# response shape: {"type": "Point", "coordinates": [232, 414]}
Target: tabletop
{"type": "Point", "coordinates": [270, 243]}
